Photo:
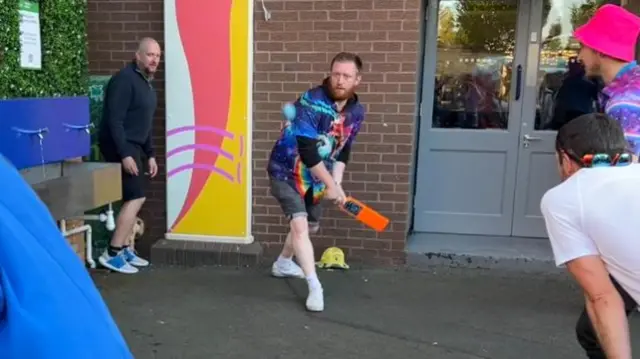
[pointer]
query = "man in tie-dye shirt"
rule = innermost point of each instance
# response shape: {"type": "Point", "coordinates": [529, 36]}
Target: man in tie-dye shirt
{"type": "Point", "coordinates": [308, 161]}
{"type": "Point", "coordinates": [608, 50]}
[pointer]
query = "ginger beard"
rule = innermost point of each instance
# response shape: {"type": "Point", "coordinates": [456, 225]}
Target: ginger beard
{"type": "Point", "coordinates": [340, 92]}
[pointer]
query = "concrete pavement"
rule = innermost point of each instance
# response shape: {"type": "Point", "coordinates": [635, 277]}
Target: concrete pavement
{"type": "Point", "coordinates": [446, 313]}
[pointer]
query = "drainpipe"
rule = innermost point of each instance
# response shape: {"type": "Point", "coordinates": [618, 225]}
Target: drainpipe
{"type": "Point", "coordinates": [88, 241]}
{"type": "Point", "coordinates": [107, 217]}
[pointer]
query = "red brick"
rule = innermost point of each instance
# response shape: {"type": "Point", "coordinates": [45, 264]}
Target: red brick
{"type": "Point", "coordinates": [326, 5]}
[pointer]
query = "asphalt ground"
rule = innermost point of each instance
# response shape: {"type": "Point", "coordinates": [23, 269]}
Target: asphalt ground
{"type": "Point", "coordinates": [448, 313]}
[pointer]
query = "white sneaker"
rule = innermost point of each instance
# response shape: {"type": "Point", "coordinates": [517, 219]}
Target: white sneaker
{"type": "Point", "coordinates": [315, 300]}
{"type": "Point", "coordinates": [117, 263]}
{"type": "Point", "coordinates": [284, 269]}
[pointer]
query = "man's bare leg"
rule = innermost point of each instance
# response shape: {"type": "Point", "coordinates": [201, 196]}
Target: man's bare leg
{"type": "Point", "coordinates": [125, 222]}
{"type": "Point", "coordinates": [116, 256]}
{"type": "Point", "coordinates": [288, 251]}
{"type": "Point", "coordinates": [284, 266]}
{"type": "Point", "coordinates": [304, 253]}
{"type": "Point", "coordinates": [299, 235]}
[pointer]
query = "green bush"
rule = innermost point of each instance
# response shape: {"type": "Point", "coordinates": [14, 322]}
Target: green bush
{"type": "Point", "coordinates": [64, 69]}
{"type": "Point", "coordinates": [64, 51]}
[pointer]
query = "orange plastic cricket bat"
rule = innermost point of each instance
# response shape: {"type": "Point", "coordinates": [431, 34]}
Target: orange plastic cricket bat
{"type": "Point", "coordinates": [365, 214]}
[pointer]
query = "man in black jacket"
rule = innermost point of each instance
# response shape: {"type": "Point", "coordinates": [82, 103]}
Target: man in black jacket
{"type": "Point", "coordinates": [125, 136]}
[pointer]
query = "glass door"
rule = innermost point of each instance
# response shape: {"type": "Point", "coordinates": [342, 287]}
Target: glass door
{"type": "Point", "coordinates": [555, 91]}
{"type": "Point", "coordinates": [470, 115]}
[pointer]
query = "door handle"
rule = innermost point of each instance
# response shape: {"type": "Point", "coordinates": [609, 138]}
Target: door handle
{"type": "Point", "coordinates": [528, 138]}
{"type": "Point", "coordinates": [518, 82]}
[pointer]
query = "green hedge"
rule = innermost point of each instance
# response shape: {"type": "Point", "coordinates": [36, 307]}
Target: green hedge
{"type": "Point", "coordinates": [64, 47]}
{"type": "Point", "coordinates": [101, 236]}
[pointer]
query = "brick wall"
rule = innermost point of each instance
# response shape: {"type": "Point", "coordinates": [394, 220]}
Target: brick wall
{"type": "Point", "coordinates": [114, 29]}
{"type": "Point", "coordinates": [292, 52]}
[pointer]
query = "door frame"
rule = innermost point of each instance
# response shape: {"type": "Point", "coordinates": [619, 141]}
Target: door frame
{"type": "Point", "coordinates": [517, 107]}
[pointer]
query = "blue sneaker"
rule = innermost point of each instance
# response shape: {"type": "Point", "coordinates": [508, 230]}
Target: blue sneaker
{"type": "Point", "coordinates": [117, 263]}
{"type": "Point", "coordinates": [132, 257]}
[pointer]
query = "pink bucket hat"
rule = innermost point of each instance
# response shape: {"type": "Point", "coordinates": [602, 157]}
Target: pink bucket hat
{"type": "Point", "coordinates": [612, 31]}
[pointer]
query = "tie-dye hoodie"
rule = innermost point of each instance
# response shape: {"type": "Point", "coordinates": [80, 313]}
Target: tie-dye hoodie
{"type": "Point", "coordinates": [621, 100]}
{"type": "Point", "coordinates": [316, 117]}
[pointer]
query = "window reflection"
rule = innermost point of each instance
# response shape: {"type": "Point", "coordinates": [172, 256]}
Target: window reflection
{"type": "Point", "coordinates": [476, 41]}
{"type": "Point", "coordinates": [565, 92]}
{"type": "Point", "coordinates": [474, 71]}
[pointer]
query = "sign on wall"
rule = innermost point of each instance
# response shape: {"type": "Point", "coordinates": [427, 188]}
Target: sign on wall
{"type": "Point", "coordinates": [208, 47]}
{"type": "Point", "coordinates": [30, 42]}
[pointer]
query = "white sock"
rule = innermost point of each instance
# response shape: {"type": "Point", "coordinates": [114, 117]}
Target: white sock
{"type": "Point", "coordinates": [284, 260]}
{"type": "Point", "coordinates": [313, 282]}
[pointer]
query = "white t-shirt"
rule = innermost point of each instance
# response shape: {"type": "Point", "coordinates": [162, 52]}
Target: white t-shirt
{"type": "Point", "coordinates": [597, 212]}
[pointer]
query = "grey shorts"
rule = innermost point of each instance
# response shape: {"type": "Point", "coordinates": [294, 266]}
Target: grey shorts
{"type": "Point", "coordinates": [294, 205]}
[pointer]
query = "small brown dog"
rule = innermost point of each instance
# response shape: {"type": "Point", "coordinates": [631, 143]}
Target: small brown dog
{"type": "Point", "coordinates": [138, 231]}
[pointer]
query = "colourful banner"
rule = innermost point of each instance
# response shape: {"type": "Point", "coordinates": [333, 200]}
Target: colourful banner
{"type": "Point", "coordinates": [208, 47]}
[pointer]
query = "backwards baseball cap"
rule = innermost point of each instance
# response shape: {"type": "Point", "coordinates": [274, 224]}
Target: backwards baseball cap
{"type": "Point", "coordinates": [612, 31]}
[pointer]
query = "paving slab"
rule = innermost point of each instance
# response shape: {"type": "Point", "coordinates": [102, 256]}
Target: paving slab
{"type": "Point", "coordinates": [448, 313]}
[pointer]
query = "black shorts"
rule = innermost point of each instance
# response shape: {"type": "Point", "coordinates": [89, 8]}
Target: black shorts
{"type": "Point", "coordinates": [133, 187]}
{"type": "Point", "coordinates": [294, 205]}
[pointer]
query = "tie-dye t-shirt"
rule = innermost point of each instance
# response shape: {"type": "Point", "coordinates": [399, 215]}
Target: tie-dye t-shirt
{"type": "Point", "coordinates": [316, 117]}
{"type": "Point", "coordinates": [621, 101]}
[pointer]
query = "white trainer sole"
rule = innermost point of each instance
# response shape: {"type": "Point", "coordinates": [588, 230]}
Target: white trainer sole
{"type": "Point", "coordinates": [125, 270]}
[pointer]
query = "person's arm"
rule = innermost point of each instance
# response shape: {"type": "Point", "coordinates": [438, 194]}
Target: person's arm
{"type": "Point", "coordinates": [345, 154]}
{"type": "Point", "coordinates": [341, 164]}
{"type": "Point", "coordinates": [308, 150]}
{"type": "Point", "coordinates": [305, 128]}
{"type": "Point", "coordinates": [604, 306]}
{"type": "Point", "coordinates": [619, 111]}
{"type": "Point", "coordinates": [562, 212]}
{"type": "Point", "coordinates": [117, 101]}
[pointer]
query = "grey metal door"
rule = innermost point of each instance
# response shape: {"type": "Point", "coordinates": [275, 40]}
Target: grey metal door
{"type": "Point", "coordinates": [470, 125]}
{"type": "Point", "coordinates": [549, 100]}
